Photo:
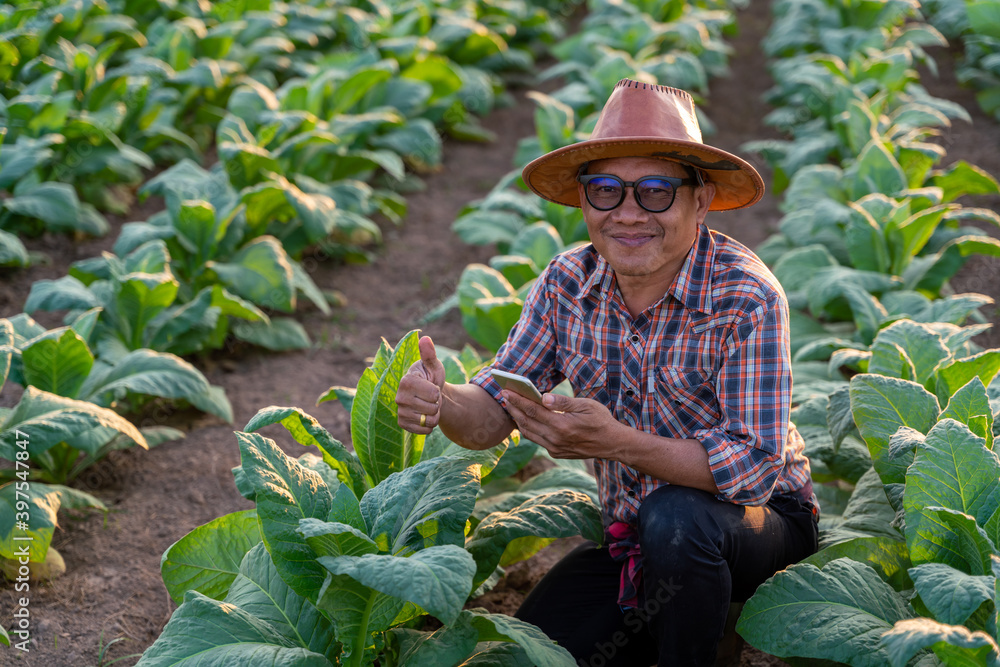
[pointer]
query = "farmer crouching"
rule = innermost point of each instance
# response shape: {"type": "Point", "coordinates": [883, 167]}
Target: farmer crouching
{"type": "Point", "coordinates": [675, 341]}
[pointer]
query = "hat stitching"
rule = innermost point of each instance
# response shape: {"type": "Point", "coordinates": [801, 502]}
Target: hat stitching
{"type": "Point", "coordinates": [631, 83]}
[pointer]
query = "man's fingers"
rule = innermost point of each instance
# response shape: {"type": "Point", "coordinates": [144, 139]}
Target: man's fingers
{"type": "Point", "coordinates": [420, 423]}
{"type": "Point", "coordinates": [413, 386]}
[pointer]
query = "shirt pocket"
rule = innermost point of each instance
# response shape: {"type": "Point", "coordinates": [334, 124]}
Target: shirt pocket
{"type": "Point", "coordinates": [589, 376]}
{"type": "Point", "coordinates": [684, 401]}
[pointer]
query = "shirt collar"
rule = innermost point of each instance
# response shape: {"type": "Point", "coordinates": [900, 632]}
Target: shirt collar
{"type": "Point", "coordinates": [691, 286]}
{"type": "Point", "coordinates": [600, 284]}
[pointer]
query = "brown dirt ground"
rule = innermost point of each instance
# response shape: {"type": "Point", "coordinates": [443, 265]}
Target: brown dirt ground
{"type": "Point", "coordinates": [113, 588]}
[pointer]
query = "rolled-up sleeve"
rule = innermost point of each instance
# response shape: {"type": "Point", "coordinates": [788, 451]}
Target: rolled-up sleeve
{"type": "Point", "coordinates": [746, 450]}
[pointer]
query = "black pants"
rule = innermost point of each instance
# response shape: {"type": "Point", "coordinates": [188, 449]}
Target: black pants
{"type": "Point", "coordinates": [699, 554]}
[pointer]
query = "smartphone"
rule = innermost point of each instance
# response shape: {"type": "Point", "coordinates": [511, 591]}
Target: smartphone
{"type": "Point", "coordinates": [517, 383]}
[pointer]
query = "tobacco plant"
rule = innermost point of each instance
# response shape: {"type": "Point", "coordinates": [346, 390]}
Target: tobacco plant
{"type": "Point", "coordinates": [180, 277]}
{"type": "Point", "coordinates": [348, 551]}
{"type": "Point", "coordinates": [908, 572]}
{"type": "Point", "coordinates": [68, 396]}
{"type": "Point", "coordinates": [50, 439]}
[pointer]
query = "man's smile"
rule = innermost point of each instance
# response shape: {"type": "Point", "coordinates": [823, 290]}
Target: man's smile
{"type": "Point", "coordinates": [633, 239]}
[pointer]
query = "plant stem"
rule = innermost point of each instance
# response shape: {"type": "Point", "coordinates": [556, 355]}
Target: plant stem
{"type": "Point", "coordinates": [358, 655]}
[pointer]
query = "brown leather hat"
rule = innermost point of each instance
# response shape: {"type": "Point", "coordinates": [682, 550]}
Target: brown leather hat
{"type": "Point", "coordinates": [646, 120]}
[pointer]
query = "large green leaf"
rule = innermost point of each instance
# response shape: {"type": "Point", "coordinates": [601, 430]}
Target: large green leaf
{"type": "Point", "coordinates": [963, 178]}
{"type": "Point", "coordinates": [957, 374]}
{"type": "Point", "coordinates": [952, 469]}
{"type": "Point", "coordinates": [278, 333]}
{"type": "Point", "coordinates": [66, 293]}
{"type": "Point", "coordinates": [146, 372]}
{"type": "Point", "coordinates": [882, 404]}
{"type": "Point", "coordinates": [346, 509]}
{"type": "Point", "coordinates": [876, 170]}
{"type": "Point", "coordinates": [44, 502]}
{"type": "Point", "coordinates": [189, 327]}
{"type": "Point", "coordinates": [496, 654]}
{"type": "Point", "coordinates": [357, 611]}
{"type": "Point", "coordinates": [839, 418]}
{"type": "Point", "coordinates": [209, 633]}
{"type": "Point", "coordinates": [951, 596]}
{"type": "Point", "coordinates": [490, 320]}
{"type": "Point", "coordinates": [307, 431]}
{"type": "Point", "coordinates": [208, 558]}
{"type": "Point", "coordinates": [141, 297]}
{"type": "Point", "coordinates": [58, 363]}
{"type": "Point", "coordinates": [198, 230]}
{"type": "Point", "coordinates": [333, 538]}
{"type": "Point", "coordinates": [539, 242]}
{"type": "Point", "coordinates": [540, 650]}
{"type": "Point", "coordinates": [285, 493]}
{"type": "Point", "coordinates": [970, 405]}
{"type": "Point", "coordinates": [449, 645]}
{"type": "Point", "coordinates": [553, 479]}
{"type": "Point", "coordinates": [32, 526]}
{"type": "Point", "coordinates": [437, 579]}
{"type": "Point", "coordinates": [867, 514]}
{"type": "Point", "coordinates": [260, 591]}
{"type": "Point", "coordinates": [953, 644]}
{"type": "Point", "coordinates": [837, 613]}
{"type": "Point", "coordinates": [382, 446]}
{"type": "Point", "coordinates": [57, 205]}
{"type": "Point", "coordinates": [417, 141]}
{"type": "Point", "coordinates": [951, 537]}
{"type": "Point", "coordinates": [12, 251]}
{"type": "Point", "coordinates": [437, 444]}
{"type": "Point", "coordinates": [425, 505]}
{"type": "Point", "coordinates": [557, 514]}
{"type": "Point", "coordinates": [48, 419]}
{"type": "Point", "coordinates": [261, 272]}
{"type": "Point", "coordinates": [830, 283]}
{"type": "Point", "coordinates": [213, 401]}
{"type": "Point", "coordinates": [922, 344]}
{"type": "Point", "coordinates": [485, 227]}
{"type": "Point", "coordinates": [888, 556]}
{"type": "Point", "coordinates": [866, 243]}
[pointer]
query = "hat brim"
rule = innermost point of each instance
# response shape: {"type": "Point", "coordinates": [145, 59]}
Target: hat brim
{"type": "Point", "coordinates": [553, 175]}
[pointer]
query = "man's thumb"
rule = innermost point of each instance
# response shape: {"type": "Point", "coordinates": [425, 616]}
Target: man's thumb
{"type": "Point", "coordinates": [428, 355]}
{"type": "Point", "coordinates": [556, 402]}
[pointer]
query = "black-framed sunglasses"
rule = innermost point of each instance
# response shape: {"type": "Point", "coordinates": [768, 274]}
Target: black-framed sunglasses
{"type": "Point", "coordinates": [653, 193]}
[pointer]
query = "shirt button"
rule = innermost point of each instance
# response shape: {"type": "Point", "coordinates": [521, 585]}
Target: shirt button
{"type": "Point", "coordinates": [631, 494]}
{"type": "Point", "coordinates": [629, 392]}
{"type": "Point", "coordinates": [635, 338]}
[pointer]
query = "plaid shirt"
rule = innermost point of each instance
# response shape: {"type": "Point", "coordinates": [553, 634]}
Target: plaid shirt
{"type": "Point", "coordinates": [709, 361]}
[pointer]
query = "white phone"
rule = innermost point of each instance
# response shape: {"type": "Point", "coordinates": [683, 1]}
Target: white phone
{"type": "Point", "coordinates": [519, 384]}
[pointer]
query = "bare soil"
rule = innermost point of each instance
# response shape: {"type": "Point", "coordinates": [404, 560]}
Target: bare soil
{"type": "Point", "coordinates": [113, 588]}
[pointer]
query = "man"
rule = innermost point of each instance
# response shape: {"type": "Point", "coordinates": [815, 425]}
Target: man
{"type": "Point", "coordinates": [675, 340]}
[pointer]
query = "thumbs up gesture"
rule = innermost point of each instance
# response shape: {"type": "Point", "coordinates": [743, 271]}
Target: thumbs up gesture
{"type": "Point", "coordinates": [419, 395]}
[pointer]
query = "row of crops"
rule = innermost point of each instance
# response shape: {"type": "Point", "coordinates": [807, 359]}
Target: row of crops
{"type": "Point", "coordinates": [321, 116]}
{"type": "Point", "coordinates": [270, 131]}
{"type": "Point", "coordinates": [898, 406]}
{"type": "Point", "coordinates": [895, 400]}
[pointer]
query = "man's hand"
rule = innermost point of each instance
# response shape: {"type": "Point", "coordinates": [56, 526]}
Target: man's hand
{"type": "Point", "coordinates": [419, 395]}
{"type": "Point", "coordinates": [569, 428]}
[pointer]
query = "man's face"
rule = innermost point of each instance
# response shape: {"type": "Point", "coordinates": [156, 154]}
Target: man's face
{"type": "Point", "coordinates": [635, 242]}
